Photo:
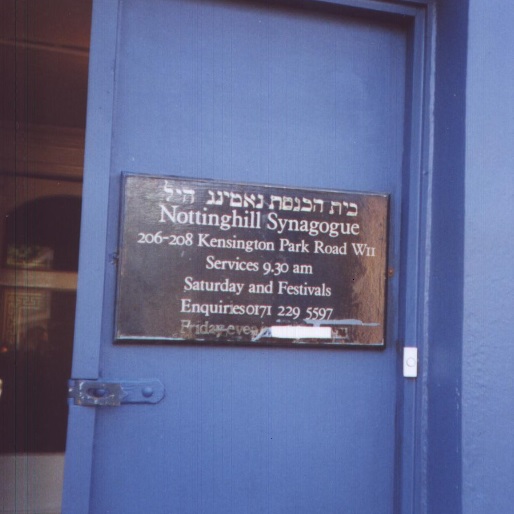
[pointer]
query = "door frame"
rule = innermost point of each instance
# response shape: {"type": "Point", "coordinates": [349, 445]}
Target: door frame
{"type": "Point", "coordinates": [90, 327]}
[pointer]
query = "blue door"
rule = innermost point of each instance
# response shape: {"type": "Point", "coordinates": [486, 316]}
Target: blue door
{"type": "Point", "coordinates": [311, 95]}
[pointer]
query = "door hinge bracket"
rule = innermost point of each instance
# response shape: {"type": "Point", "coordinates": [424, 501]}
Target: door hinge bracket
{"type": "Point", "coordinates": [112, 393]}
{"type": "Point", "coordinates": [410, 362]}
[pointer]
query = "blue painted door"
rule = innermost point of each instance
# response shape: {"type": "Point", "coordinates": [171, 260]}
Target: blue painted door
{"type": "Point", "coordinates": [308, 95]}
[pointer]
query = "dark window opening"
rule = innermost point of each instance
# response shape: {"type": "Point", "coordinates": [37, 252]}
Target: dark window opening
{"type": "Point", "coordinates": [37, 323]}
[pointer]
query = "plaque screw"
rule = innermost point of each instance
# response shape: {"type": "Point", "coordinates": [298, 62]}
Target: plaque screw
{"type": "Point", "coordinates": [390, 273]}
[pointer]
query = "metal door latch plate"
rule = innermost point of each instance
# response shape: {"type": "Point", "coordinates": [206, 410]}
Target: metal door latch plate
{"type": "Point", "coordinates": [113, 393]}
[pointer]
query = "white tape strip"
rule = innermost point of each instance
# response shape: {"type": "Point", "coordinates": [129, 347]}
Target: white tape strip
{"type": "Point", "coordinates": [300, 332]}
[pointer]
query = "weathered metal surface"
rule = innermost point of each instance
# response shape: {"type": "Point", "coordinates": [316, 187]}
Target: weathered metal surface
{"type": "Point", "coordinates": [96, 393]}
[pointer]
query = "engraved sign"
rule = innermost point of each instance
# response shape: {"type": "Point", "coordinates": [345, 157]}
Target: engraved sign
{"type": "Point", "coordinates": [210, 261]}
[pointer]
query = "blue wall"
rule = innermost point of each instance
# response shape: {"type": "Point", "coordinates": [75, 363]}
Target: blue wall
{"type": "Point", "coordinates": [469, 437]}
{"type": "Point", "coordinates": [488, 328]}
{"type": "Point", "coordinates": [441, 488]}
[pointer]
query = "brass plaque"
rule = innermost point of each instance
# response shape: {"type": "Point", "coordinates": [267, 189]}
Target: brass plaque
{"type": "Point", "coordinates": [210, 261]}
